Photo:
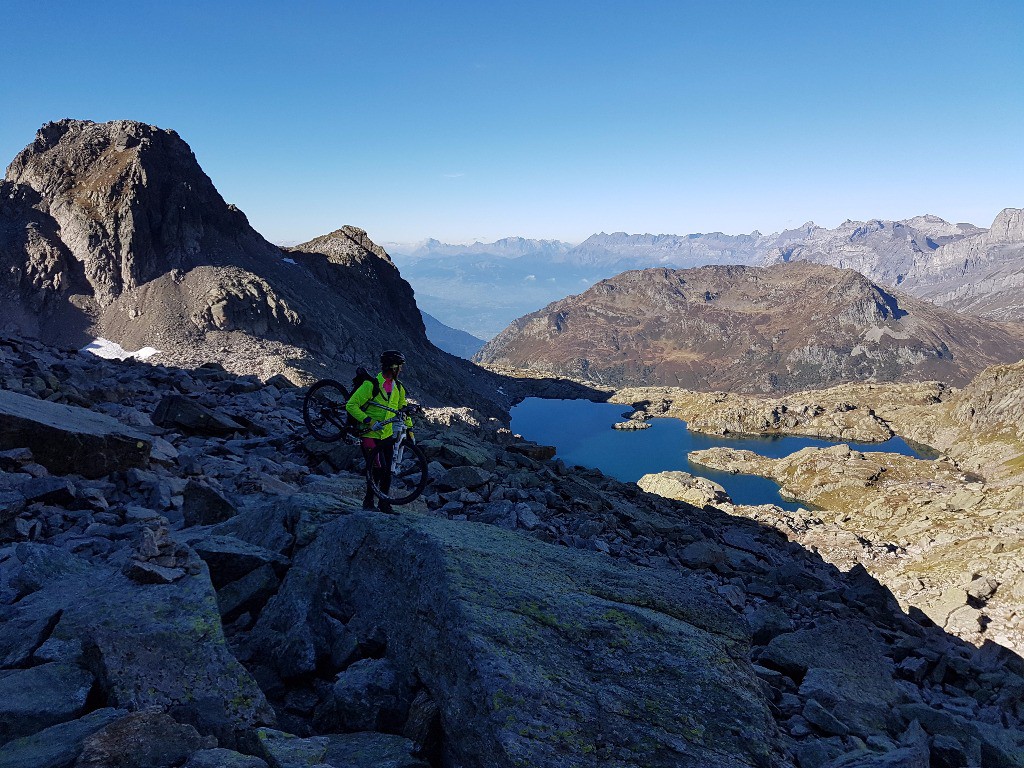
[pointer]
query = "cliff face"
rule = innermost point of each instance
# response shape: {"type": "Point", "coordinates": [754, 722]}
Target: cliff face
{"type": "Point", "coordinates": [131, 203]}
{"type": "Point", "coordinates": [884, 251]}
{"type": "Point", "coordinates": [982, 274]}
{"type": "Point", "coordinates": [781, 328]}
{"type": "Point", "coordinates": [114, 230]}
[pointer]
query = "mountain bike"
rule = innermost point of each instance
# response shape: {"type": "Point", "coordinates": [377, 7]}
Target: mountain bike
{"type": "Point", "coordinates": [323, 411]}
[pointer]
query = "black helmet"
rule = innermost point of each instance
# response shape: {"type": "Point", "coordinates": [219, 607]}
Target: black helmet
{"type": "Point", "coordinates": [391, 358]}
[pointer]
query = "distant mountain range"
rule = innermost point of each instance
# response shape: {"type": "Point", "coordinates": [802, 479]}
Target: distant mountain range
{"type": "Point", "coordinates": [786, 327]}
{"type": "Point", "coordinates": [483, 285]}
{"type": "Point", "coordinates": [506, 248]}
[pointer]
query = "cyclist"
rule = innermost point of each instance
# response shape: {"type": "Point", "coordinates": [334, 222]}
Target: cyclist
{"type": "Point", "coordinates": [363, 406]}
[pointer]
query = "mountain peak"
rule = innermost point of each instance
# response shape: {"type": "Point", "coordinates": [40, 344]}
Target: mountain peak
{"type": "Point", "coordinates": [1008, 226]}
{"type": "Point", "coordinates": [131, 201]}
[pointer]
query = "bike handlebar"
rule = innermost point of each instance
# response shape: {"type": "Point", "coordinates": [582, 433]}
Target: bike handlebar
{"type": "Point", "coordinates": [398, 418]}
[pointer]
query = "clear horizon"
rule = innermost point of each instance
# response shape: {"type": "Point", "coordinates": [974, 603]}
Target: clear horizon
{"type": "Point", "coordinates": [470, 122]}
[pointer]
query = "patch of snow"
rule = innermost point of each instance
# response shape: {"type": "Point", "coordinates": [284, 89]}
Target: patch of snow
{"type": "Point", "coordinates": [288, 261]}
{"type": "Point", "coordinates": [111, 350]}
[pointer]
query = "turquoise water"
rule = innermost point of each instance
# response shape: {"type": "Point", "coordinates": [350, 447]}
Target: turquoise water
{"type": "Point", "coordinates": [581, 432]}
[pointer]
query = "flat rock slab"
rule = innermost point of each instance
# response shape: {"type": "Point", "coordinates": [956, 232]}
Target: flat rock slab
{"type": "Point", "coordinates": [58, 745]}
{"type": "Point", "coordinates": [147, 644]}
{"type": "Point", "coordinates": [36, 698]}
{"type": "Point", "coordinates": [70, 440]}
{"type": "Point", "coordinates": [541, 655]}
{"type": "Point", "coordinates": [179, 412]}
{"type": "Point", "coordinates": [349, 750]}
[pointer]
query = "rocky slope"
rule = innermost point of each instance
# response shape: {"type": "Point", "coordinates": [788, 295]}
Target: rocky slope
{"type": "Point", "coordinates": [943, 535]}
{"type": "Point", "coordinates": [522, 612]}
{"type": "Point", "coordinates": [782, 328]}
{"type": "Point", "coordinates": [113, 230]}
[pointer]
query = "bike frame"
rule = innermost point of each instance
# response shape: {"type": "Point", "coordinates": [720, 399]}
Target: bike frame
{"type": "Point", "coordinates": [399, 432]}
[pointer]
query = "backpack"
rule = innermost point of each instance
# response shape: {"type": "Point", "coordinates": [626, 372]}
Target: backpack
{"type": "Point", "coordinates": [362, 375]}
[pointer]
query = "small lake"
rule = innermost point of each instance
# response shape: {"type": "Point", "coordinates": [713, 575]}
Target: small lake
{"type": "Point", "coordinates": [582, 433]}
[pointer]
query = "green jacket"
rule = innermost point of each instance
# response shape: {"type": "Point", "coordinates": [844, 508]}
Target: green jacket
{"type": "Point", "coordinates": [362, 403]}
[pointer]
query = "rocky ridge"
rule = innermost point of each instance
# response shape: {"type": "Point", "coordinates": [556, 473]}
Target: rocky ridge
{"type": "Point", "coordinates": [960, 266]}
{"type": "Point", "coordinates": [775, 329]}
{"type": "Point", "coordinates": [113, 230]}
{"type": "Point", "coordinates": [944, 535]}
{"type": "Point", "coordinates": [522, 612]}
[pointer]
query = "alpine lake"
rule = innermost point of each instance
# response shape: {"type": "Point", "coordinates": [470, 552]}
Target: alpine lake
{"type": "Point", "coordinates": [581, 432]}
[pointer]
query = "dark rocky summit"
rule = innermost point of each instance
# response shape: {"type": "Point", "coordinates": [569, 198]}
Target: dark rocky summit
{"type": "Point", "coordinates": [113, 230]}
{"type": "Point", "coordinates": [751, 329]}
{"type": "Point", "coordinates": [225, 603]}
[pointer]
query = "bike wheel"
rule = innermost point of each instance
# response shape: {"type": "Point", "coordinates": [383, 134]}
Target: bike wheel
{"type": "Point", "coordinates": [406, 481]}
{"type": "Point", "coordinates": [323, 410]}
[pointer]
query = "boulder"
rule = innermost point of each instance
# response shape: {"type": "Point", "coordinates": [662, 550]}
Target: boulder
{"type": "Point", "coordinates": [179, 412]}
{"type": "Point", "coordinates": [229, 558]}
{"type": "Point", "coordinates": [464, 477]}
{"type": "Point", "coordinates": [70, 440]}
{"type": "Point", "coordinates": [283, 750]}
{"type": "Point", "coordinates": [35, 698]}
{"type": "Point", "coordinates": [58, 745]}
{"type": "Point", "coordinates": [683, 486]}
{"type": "Point", "coordinates": [350, 750]}
{"type": "Point", "coordinates": [843, 668]}
{"type": "Point", "coordinates": [49, 490]}
{"type": "Point", "coordinates": [21, 636]}
{"type": "Point", "coordinates": [628, 665]}
{"type": "Point", "coordinates": [285, 523]}
{"type": "Point", "coordinates": [223, 758]}
{"type": "Point", "coordinates": [367, 696]}
{"type": "Point", "coordinates": [371, 750]}
{"type": "Point", "coordinates": [145, 739]}
{"type": "Point", "coordinates": [533, 450]}
{"type": "Point", "coordinates": [202, 505]}
{"type": "Point", "coordinates": [248, 593]}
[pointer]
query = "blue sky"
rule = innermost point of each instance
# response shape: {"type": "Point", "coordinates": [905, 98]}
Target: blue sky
{"type": "Point", "coordinates": [463, 120]}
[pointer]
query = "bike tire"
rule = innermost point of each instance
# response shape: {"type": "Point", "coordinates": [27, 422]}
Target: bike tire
{"type": "Point", "coordinates": [323, 410]}
{"type": "Point", "coordinates": [407, 481]}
